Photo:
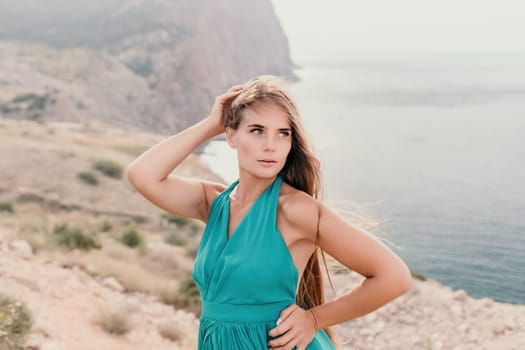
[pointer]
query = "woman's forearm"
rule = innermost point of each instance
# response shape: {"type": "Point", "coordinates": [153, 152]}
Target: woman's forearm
{"type": "Point", "coordinates": [158, 162]}
{"type": "Point", "coordinates": [368, 296]}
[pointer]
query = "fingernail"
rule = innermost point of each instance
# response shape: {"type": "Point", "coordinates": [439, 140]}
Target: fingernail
{"type": "Point", "coordinates": [278, 321]}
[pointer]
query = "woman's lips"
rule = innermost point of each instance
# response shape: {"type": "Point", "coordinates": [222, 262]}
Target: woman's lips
{"type": "Point", "coordinates": [267, 162]}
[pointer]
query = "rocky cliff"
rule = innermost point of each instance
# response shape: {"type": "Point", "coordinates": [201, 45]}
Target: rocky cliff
{"type": "Point", "coordinates": [155, 64]}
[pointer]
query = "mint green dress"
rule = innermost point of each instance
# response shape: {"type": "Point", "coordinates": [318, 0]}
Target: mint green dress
{"type": "Point", "coordinates": [247, 280]}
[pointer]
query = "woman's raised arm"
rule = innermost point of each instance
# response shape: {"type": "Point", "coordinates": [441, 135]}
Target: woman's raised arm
{"type": "Point", "coordinates": [151, 174]}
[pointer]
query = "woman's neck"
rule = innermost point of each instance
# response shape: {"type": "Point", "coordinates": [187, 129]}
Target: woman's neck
{"type": "Point", "coordinates": [249, 188]}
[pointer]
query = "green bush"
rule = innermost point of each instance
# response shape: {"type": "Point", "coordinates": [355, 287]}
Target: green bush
{"type": "Point", "coordinates": [74, 238]}
{"type": "Point", "coordinates": [176, 238]}
{"type": "Point", "coordinates": [39, 102]}
{"type": "Point", "coordinates": [15, 323]}
{"type": "Point", "coordinates": [196, 227]}
{"type": "Point", "coordinates": [109, 168]}
{"type": "Point", "coordinates": [7, 207]}
{"type": "Point", "coordinates": [88, 177]}
{"type": "Point", "coordinates": [191, 250]}
{"type": "Point", "coordinates": [24, 97]}
{"type": "Point", "coordinates": [188, 296]}
{"type": "Point", "coordinates": [418, 276]}
{"type": "Point", "coordinates": [106, 226]}
{"type": "Point", "coordinates": [174, 219]}
{"type": "Point", "coordinates": [132, 238]}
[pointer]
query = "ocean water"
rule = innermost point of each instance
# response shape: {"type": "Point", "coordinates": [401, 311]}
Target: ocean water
{"type": "Point", "coordinates": [430, 144]}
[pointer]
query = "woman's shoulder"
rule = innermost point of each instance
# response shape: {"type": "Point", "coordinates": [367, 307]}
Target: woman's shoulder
{"type": "Point", "coordinates": [212, 190]}
{"type": "Point", "coordinates": [298, 208]}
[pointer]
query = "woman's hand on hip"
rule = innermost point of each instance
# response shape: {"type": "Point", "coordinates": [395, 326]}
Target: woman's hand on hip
{"type": "Point", "coordinates": [295, 328]}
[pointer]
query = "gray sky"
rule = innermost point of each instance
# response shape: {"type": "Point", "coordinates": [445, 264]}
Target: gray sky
{"type": "Point", "coordinates": [497, 25]}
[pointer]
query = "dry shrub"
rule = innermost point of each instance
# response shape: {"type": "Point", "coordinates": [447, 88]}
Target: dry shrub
{"type": "Point", "coordinates": [132, 237]}
{"type": "Point", "coordinates": [109, 168]}
{"type": "Point", "coordinates": [191, 250]}
{"type": "Point", "coordinates": [188, 296]}
{"type": "Point", "coordinates": [88, 177]}
{"type": "Point", "coordinates": [176, 238]}
{"type": "Point", "coordinates": [171, 331]}
{"type": "Point", "coordinates": [168, 292]}
{"type": "Point", "coordinates": [15, 323]}
{"type": "Point", "coordinates": [114, 321]}
{"type": "Point", "coordinates": [7, 207]}
{"type": "Point", "coordinates": [75, 238]}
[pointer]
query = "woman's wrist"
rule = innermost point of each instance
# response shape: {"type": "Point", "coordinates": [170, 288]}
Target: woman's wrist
{"type": "Point", "coordinates": [213, 126]}
{"type": "Point", "coordinates": [313, 317]}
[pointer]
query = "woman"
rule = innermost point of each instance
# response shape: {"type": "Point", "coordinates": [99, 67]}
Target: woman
{"type": "Point", "coordinates": [265, 229]}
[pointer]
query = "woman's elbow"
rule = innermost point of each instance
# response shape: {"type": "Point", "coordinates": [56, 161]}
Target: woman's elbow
{"type": "Point", "coordinates": [397, 279]}
{"type": "Point", "coordinates": [403, 279]}
{"type": "Point", "coordinates": [133, 177]}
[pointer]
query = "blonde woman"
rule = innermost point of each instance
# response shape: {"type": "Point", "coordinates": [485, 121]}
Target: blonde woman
{"type": "Point", "coordinates": [257, 266]}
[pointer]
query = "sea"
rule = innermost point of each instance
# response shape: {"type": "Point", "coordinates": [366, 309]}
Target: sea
{"type": "Point", "coordinates": [430, 145]}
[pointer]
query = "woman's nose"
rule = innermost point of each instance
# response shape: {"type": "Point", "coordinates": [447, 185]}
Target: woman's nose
{"type": "Point", "coordinates": [269, 144]}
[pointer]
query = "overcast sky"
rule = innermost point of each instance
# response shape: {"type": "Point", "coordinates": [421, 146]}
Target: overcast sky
{"type": "Point", "coordinates": [497, 25]}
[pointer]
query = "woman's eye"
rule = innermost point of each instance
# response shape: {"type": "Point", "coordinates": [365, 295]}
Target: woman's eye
{"type": "Point", "coordinates": [256, 131]}
{"type": "Point", "coordinates": [284, 133]}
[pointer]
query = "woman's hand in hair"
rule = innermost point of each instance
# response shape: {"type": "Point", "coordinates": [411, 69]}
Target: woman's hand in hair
{"type": "Point", "coordinates": [296, 327]}
{"type": "Point", "coordinates": [220, 108]}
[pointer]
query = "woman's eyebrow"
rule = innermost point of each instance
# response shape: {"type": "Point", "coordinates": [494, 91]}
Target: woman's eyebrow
{"type": "Point", "coordinates": [262, 127]}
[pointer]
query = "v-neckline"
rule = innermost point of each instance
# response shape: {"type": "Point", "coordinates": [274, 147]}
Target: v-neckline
{"type": "Point", "coordinates": [228, 205]}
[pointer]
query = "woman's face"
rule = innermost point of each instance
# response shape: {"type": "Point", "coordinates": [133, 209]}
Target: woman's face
{"type": "Point", "coordinates": [262, 140]}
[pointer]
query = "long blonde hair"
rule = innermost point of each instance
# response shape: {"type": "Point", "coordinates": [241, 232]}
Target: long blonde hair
{"type": "Point", "coordinates": [302, 170]}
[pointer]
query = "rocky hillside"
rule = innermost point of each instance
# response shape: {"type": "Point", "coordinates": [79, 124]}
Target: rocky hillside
{"type": "Point", "coordinates": [75, 311]}
{"type": "Point", "coordinates": [150, 64]}
{"type": "Point", "coordinates": [83, 250]}
{"type": "Point", "coordinates": [72, 310]}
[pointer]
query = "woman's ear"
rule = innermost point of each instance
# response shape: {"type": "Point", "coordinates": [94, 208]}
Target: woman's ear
{"type": "Point", "coordinates": [230, 133]}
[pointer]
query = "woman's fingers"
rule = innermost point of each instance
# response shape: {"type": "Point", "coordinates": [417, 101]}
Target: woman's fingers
{"type": "Point", "coordinates": [285, 341]}
{"type": "Point", "coordinates": [230, 95]}
{"type": "Point", "coordinates": [234, 89]}
{"type": "Point", "coordinates": [232, 92]}
{"type": "Point", "coordinates": [294, 329]}
{"type": "Point", "coordinates": [220, 107]}
{"type": "Point", "coordinates": [226, 98]}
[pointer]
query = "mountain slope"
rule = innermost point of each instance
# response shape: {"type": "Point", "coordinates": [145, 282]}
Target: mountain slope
{"type": "Point", "coordinates": [158, 64]}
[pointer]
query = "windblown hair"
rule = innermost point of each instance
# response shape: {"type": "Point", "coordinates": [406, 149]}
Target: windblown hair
{"type": "Point", "coordinates": [302, 170]}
